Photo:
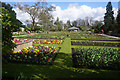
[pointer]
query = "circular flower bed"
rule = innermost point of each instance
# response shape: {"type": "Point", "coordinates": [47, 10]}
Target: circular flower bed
{"type": "Point", "coordinates": [34, 54]}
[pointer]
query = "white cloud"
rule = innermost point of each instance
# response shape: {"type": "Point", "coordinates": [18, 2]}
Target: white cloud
{"type": "Point", "coordinates": [74, 11]}
{"type": "Point", "coordinates": [22, 16]}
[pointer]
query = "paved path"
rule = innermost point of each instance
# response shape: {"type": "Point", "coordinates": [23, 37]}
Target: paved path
{"type": "Point", "coordinates": [110, 36]}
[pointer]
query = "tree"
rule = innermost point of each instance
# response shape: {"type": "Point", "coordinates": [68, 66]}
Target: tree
{"type": "Point", "coordinates": [45, 19]}
{"type": "Point", "coordinates": [9, 24]}
{"type": "Point", "coordinates": [39, 12]}
{"type": "Point", "coordinates": [118, 23]}
{"type": "Point", "coordinates": [97, 26]}
{"type": "Point", "coordinates": [58, 24]}
{"type": "Point", "coordinates": [14, 21]}
{"type": "Point", "coordinates": [7, 44]}
{"type": "Point", "coordinates": [68, 25]}
{"type": "Point", "coordinates": [74, 23]}
{"type": "Point", "coordinates": [109, 18]}
{"type": "Point", "coordinates": [33, 11]}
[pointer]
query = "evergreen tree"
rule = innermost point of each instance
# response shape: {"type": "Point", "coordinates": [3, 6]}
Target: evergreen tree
{"type": "Point", "coordinates": [109, 18]}
{"type": "Point", "coordinates": [74, 23]}
{"type": "Point", "coordinates": [68, 24]}
{"type": "Point", "coordinates": [58, 24]}
{"type": "Point", "coordinates": [118, 22]}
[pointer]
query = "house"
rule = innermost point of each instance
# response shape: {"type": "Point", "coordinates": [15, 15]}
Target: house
{"type": "Point", "coordinates": [73, 29]}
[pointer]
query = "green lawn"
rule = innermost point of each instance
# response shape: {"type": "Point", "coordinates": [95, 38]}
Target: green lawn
{"type": "Point", "coordinates": [61, 68]}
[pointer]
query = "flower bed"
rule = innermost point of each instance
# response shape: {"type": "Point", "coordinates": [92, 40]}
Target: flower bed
{"type": "Point", "coordinates": [17, 41]}
{"type": "Point", "coordinates": [96, 58]}
{"type": "Point", "coordinates": [95, 40]}
{"type": "Point", "coordinates": [35, 55]}
{"type": "Point", "coordinates": [48, 41]}
{"type": "Point", "coordinates": [95, 44]}
{"type": "Point", "coordinates": [43, 37]}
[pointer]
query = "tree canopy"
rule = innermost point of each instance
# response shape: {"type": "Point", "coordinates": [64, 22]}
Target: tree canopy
{"type": "Point", "coordinates": [109, 18]}
{"type": "Point", "coordinates": [39, 13]}
{"type": "Point", "coordinates": [9, 24]}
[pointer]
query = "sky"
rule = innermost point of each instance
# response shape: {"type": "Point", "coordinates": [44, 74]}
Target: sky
{"type": "Point", "coordinates": [72, 10]}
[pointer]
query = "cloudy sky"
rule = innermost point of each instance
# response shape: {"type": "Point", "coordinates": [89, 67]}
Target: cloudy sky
{"type": "Point", "coordinates": [73, 10]}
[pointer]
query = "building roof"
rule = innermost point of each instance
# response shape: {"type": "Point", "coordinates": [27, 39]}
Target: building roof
{"type": "Point", "coordinates": [72, 28]}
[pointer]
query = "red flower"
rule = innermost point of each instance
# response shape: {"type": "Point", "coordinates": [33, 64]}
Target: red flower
{"type": "Point", "coordinates": [41, 50]}
{"type": "Point", "coordinates": [48, 59]}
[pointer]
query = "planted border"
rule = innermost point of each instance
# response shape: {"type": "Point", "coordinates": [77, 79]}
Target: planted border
{"type": "Point", "coordinates": [39, 38]}
{"type": "Point", "coordinates": [95, 40]}
{"type": "Point", "coordinates": [34, 55]}
{"type": "Point", "coordinates": [95, 44]}
{"type": "Point", "coordinates": [48, 41]}
{"type": "Point", "coordinates": [96, 58]}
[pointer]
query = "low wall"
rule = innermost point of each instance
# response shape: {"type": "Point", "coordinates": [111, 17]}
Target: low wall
{"type": "Point", "coordinates": [20, 46]}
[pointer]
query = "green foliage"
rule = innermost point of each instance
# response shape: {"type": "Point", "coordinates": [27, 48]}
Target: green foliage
{"type": "Point", "coordinates": [27, 29]}
{"type": "Point", "coordinates": [74, 23]}
{"type": "Point", "coordinates": [9, 24]}
{"type": "Point", "coordinates": [81, 28]}
{"type": "Point", "coordinates": [97, 26]}
{"type": "Point", "coordinates": [14, 21]}
{"type": "Point", "coordinates": [41, 29]}
{"type": "Point", "coordinates": [118, 23]}
{"type": "Point", "coordinates": [109, 19]}
{"type": "Point", "coordinates": [98, 58]}
{"type": "Point", "coordinates": [7, 44]}
{"type": "Point", "coordinates": [58, 24]}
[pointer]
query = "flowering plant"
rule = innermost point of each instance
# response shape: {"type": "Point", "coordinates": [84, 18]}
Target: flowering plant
{"type": "Point", "coordinates": [48, 41]}
{"type": "Point", "coordinates": [19, 40]}
{"type": "Point", "coordinates": [34, 54]}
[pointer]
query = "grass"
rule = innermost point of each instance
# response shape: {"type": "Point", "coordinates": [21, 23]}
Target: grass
{"type": "Point", "coordinates": [61, 68]}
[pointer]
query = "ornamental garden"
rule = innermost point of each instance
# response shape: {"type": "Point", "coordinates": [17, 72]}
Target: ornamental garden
{"type": "Point", "coordinates": [69, 53]}
{"type": "Point", "coordinates": [47, 49]}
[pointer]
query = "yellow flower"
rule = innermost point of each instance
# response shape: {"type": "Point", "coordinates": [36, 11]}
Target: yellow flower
{"type": "Point", "coordinates": [15, 52]}
{"type": "Point", "coordinates": [25, 49]}
{"type": "Point", "coordinates": [45, 57]}
{"type": "Point", "coordinates": [18, 51]}
{"type": "Point", "coordinates": [37, 50]}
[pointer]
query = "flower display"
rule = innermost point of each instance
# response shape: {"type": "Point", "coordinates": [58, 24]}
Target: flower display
{"type": "Point", "coordinates": [19, 40]}
{"type": "Point", "coordinates": [34, 54]}
{"type": "Point", "coordinates": [48, 41]}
